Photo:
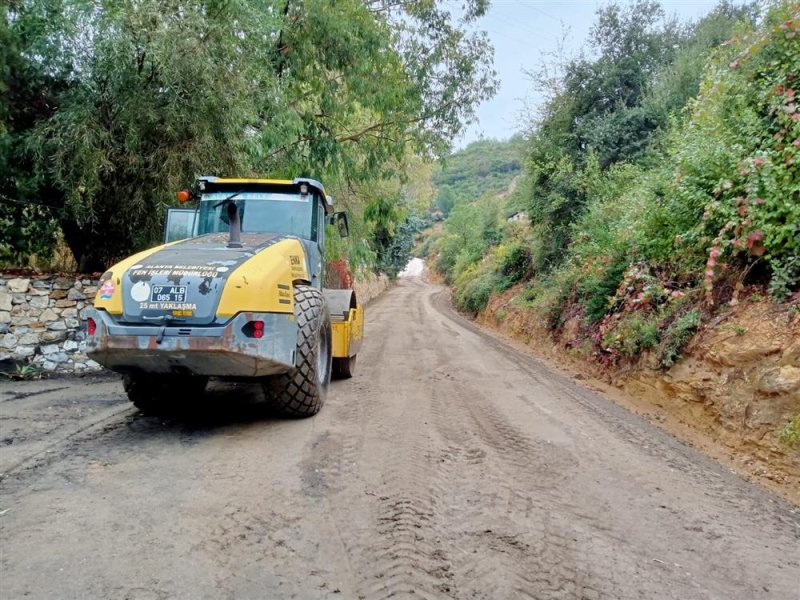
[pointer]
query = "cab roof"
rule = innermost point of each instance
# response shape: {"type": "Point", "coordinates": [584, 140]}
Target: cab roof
{"type": "Point", "coordinates": [224, 181]}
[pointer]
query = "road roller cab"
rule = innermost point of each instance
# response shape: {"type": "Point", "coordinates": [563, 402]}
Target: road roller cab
{"type": "Point", "coordinates": [236, 292]}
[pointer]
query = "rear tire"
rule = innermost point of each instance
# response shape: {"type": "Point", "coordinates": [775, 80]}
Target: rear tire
{"type": "Point", "coordinates": [343, 368]}
{"type": "Point", "coordinates": [161, 394]}
{"type": "Point", "coordinates": [301, 392]}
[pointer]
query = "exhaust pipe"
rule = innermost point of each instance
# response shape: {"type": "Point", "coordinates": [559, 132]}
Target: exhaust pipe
{"type": "Point", "coordinates": [235, 229]}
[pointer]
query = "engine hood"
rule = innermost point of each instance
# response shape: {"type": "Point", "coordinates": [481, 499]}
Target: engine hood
{"type": "Point", "coordinates": [184, 282]}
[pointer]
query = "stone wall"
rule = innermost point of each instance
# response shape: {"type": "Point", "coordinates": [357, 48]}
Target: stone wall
{"type": "Point", "coordinates": [42, 322]}
{"type": "Point", "coordinates": [369, 286]}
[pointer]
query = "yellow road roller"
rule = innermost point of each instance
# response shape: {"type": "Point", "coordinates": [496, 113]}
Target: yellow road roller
{"type": "Point", "coordinates": [236, 292]}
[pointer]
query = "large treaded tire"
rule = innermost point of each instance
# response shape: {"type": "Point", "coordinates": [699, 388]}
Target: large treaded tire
{"type": "Point", "coordinates": [301, 392]}
{"type": "Point", "coordinates": [162, 394]}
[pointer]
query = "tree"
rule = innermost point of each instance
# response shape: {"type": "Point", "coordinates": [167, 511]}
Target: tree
{"type": "Point", "coordinates": [27, 89]}
{"type": "Point", "coordinates": [445, 199]}
{"type": "Point", "coordinates": [611, 108]}
{"type": "Point", "coordinates": [147, 95]}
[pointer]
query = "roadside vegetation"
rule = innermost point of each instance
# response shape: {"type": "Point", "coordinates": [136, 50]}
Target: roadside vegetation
{"type": "Point", "coordinates": [107, 109]}
{"type": "Point", "coordinates": [660, 183]}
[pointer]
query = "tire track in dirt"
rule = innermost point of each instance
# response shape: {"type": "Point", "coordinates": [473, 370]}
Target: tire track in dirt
{"type": "Point", "coordinates": [509, 544]}
{"type": "Point", "coordinates": [406, 555]}
{"type": "Point", "coordinates": [390, 532]}
{"type": "Point", "coordinates": [507, 526]}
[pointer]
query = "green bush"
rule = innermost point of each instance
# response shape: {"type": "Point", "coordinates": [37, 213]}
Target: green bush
{"type": "Point", "coordinates": [550, 295]}
{"type": "Point", "coordinates": [785, 276]}
{"type": "Point", "coordinates": [633, 334]}
{"type": "Point", "coordinates": [473, 294]}
{"type": "Point", "coordinates": [738, 158]}
{"type": "Point", "coordinates": [677, 336]}
{"type": "Point", "coordinates": [515, 264]}
{"type": "Point", "coordinates": [596, 290]}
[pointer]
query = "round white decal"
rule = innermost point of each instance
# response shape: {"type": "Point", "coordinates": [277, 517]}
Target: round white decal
{"type": "Point", "coordinates": [140, 291]}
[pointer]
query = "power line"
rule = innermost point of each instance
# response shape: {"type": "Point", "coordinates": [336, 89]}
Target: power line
{"type": "Point", "coordinates": [60, 209]}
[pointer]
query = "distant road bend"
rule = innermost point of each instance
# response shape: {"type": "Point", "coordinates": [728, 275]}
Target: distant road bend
{"type": "Point", "coordinates": [450, 466]}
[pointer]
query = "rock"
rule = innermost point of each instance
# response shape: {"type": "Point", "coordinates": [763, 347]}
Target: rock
{"type": "Point", "coordinates": [64, 303]}
{"type": "Point", "coordinates": [737, 352]}
{"type": "Point", "coordinates": [780, 380]}
{"type": "Point", "coordinates": [74, 294]}
{"type": "Point", "coordinates": [3, 328]}
{"type": "Point", "coordinates": [33, 313]}
{"type": "Point", "coordinates": [80, 358]}
{"type": "Point", "coordinates": [63, 283]}
{"type": "Point", "coordinates": [70, 346]}
{"type": "Point", "coordinates": [85, 313]}
{"type": "Point", "coordinates": [23, 351]}
{"type": "Point", "coordinates": [5, 316]}
{"type": "Point", "coordinates": [9, 341]}
{"type": "Point", "coordinates": [57, 326]}
{"type": "Point", "coordinates": [72, 323]}
{"type": "Point", "coordinates": [49, 349]}
{"type": "Point", "coordinates": [53, 336]}
{"type": "Point", "coordinates": [78, 285]}
{"type": "Point", "coordinates": [47, 316]}
{"type": "Point", "coordinates": [69, 313]}
{"type": "Point", "coordinates": [49, 365]}
{"type": "Point", "coordinates": [35, 292]}
{"type": "Point", "coordinates": [19, 299]}
{"type": "Point", "coordinates": [19, 285]}
{"type": "Point", "coordinates": [90, 291]}
{"type": "Point", "coordinates": [29, 338]}
{"type": "Point", "coordinates": [39, 301]}
{"type": "Point", "coordinates": [41, 284]}
{"type": "Point", "coordinates": [791, 356]}
{"type": "Point", "coordinates": [93, 365]}
{"type": "Point", "coordinates": [5, 301]}
{"type": "Point", "coordinates": [58, 294]}
{"type": "Point", "coordinates": [59, 358]}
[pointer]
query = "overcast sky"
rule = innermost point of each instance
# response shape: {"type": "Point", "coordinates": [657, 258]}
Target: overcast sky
{"type": "Point", "coordinates": [522, 32]}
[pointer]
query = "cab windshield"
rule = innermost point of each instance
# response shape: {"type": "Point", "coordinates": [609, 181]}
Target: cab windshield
{"type": "Point", "coordinates": [260, 212]}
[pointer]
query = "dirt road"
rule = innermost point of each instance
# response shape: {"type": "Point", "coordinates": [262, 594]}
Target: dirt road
{"type": "Point", "coordinates": [449, 467]}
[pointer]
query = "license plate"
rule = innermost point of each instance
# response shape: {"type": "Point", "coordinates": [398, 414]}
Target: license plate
{"type": "Point", "coordinates": [168, 293]}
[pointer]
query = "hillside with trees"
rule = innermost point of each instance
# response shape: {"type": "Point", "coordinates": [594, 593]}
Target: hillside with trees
{"type": "Point", "coordinates": [485, 166]}
{"type": "Point", "coordinates": [670, 157]}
